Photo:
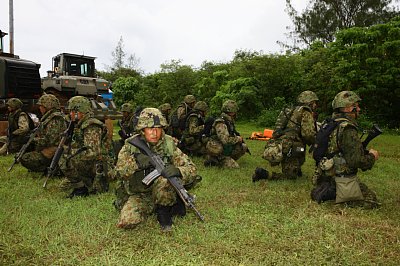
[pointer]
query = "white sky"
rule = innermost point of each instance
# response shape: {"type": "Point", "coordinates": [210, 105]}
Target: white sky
{"type": "Point", "coordinates": [155, 31]}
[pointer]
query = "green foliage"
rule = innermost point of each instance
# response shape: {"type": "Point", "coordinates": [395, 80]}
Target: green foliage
{"type": "Point", "coordinates": [323, 18]}
{"type": "Point", "coordinates": [125, 89]}
{"type": "Point", "coordinates": [269, 115]}
{"type": "Point", "coordinates": [262, 223]}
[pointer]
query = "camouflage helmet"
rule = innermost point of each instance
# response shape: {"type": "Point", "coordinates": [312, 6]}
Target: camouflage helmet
{"type": "Point", "coordinates": [165, 107]}
{"type": "Point", "coordinates": [151, 117]}
{"type": "Point", "coordinates": [307, 97]}
{"type": "Point", "coordinates": [230, 106]}
{"type": "Point", "coordinates": [201, 106]}
{"type": "Point", "coordinates": [189, 99]}
{"type": "Point", "coordinates": [49, 101]}
{"type": "Point", "coordinates": [127, 107]}
{"type": "Point", "coordinates": [14, 103]}
{"type": "Point", "coordinates": [345, 99]}
{"type": "Point", "coordinates": [80, 104]}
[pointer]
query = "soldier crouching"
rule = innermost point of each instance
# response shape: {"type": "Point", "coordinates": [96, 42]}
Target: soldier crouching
{"type": "Point", "coordinates": [135, 200]}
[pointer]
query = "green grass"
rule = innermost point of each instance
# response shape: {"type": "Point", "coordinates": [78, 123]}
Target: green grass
{"type": "Point", "coordinates": [262, 223]}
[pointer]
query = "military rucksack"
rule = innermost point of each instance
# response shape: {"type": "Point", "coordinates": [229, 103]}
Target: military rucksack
{"type": "Point", "coordinates": [179, 123]}
{"type": "Point", "coordinates": [322, 138]}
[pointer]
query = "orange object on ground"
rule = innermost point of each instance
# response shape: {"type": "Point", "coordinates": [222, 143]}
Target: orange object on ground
{"type": "Point", "coordinates": [262, 136]}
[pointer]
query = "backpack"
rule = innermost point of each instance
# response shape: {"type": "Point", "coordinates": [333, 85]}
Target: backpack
{"type": "Point", "coordinates": [322, 138]}
{"type": "Point", "coordinates": [208, 126]}
{"type": "Point", "coordinates": [179, 123]}
{"type": "Point", "coordinates": [282, 121]}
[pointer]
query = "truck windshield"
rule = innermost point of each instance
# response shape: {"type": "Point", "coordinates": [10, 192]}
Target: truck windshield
{"type": "Point", "coordinates": [77, 66]}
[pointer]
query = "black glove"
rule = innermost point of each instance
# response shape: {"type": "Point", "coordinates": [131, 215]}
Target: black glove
{"type": "Point", "coordinates": [122, 134]}
{"type": "Point", "coordinates": [143, 161]}
{"type": "Point", "coordinates": [170, 171]}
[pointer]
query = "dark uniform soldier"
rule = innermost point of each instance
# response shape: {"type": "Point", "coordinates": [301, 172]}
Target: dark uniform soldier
{"type": "Point", "coordinates": [86, 152]}
{"type": "Point", "coordinates": [225, 145]}
{"type": "Point", "coordinates": [192, 138]}
{"type": "Point", "coordinates": [137, 201]}
{"type": "Point", "coordinates": [299, 132]}
{"type": "Point", "coordinates": [337, 173]}
{"type": "Point", "coordinates": [19, 126]}
{"type": "Point", "coordinates": [52, 125]}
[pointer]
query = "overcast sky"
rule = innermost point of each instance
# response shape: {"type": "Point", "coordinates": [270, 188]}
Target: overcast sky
{"type": "Point", "coordinates": [155, 31]}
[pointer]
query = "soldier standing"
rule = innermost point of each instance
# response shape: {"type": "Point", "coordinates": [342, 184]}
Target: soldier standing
{"type": "Point", "coordinates": [192, 138]}
{"type": "Point", "coordinates": [137, 201]}
{"type": "Point", "coordinates": [299, 131]}
{"type": "Point", "coordinates": [85, 153]}
{"type": "Point", "coordinates": [225, 145]}
{"type": "Point", "coordinates": [19, 126]}
{"type": "Point", "coordinates": [337, 177]}
{"type": "Point", "coordinates": [52, 125]}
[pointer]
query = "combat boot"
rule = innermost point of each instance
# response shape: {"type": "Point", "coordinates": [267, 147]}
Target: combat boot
{"type": "Point", "coordinates": [179, 208]}
{"type": "Point", "coordinates": [260, 173]}
{"type": "Point", "coordinates": [79, 192]}
{"type": "Point", "coordinates": [164, 217]}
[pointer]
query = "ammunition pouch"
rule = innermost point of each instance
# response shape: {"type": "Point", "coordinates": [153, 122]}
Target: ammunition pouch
{"type": "Point", "coordinates": [134, 183]}
{"type": "Point", "coordinates": [348, 189]}
{"type": "Point", "coordinates": [273, 151]}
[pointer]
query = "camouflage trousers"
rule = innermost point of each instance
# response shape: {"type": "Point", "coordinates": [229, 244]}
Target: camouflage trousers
{"type": "Point", "coordinates": [35, 161]}
{"type": "Point", "coordinates": [195, 148]}
{"type": "Point", "coordinates": [291, 168]}
{"type": "Point", "coordinates": [3, 145]}
{"type": "Point", "coordinates": [228, 161]}
{"type": "Point", "coordinates": [137, 207]}
{"type": "Point", "coordinates": [78, 172]}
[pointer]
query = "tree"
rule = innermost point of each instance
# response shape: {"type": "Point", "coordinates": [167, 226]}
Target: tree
{"type": "Point", "coordinates": [323, 18]}
{"type": "Point", "coordinates": [118, 55]}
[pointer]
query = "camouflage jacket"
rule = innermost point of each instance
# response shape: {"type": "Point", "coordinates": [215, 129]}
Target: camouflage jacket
{"type": "Point", "coordinates": [18, 122]}
{"type": "Point", "coordinates": [89, 133]}
{"type": "Point", "coordinates": [127, 164]}
{"type": "Point", "coordinates": [301, 126]}
{"type": "Point", "coordinates": [52, 125]}
{"type": "Point", "coordinates": [224, 130]}
{"type": "Point", "coordinates": [346, 143]}
{"type": "Point", "coordinates": [127, 124]}
{"type": "Point", "coordinates": [194, 124]}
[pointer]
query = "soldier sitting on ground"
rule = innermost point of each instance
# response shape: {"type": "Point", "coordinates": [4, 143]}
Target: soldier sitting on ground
{"type": "Point", "coordinates": [225, 145]}
{"type": "Point", "coordinates": [137, 201]}
{"type": "Point", "coordinates": [85, 164]}
{"type": "Point", "coordinates": [192, 138]}
{"type": "Point", "coordinates": [19, 126]}
{"type": "Point", "coordinates": [52, 125]}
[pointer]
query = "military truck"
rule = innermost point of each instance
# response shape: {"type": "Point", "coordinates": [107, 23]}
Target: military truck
{"type": "Point", "coordinates": [19, 78]}
{"type": "Point", "coordinates": [73, 75]}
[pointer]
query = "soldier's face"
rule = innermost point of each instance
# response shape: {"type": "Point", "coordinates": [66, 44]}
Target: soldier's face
{"type": "Point", "coordinates": [42, 109]}
{"type": "Point", "coordinates": [152, 134]}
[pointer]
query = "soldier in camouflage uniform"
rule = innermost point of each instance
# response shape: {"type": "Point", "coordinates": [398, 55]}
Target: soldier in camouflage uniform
{"type": "Point", "coordinates": [85, 162]}
{"type": "Point", "coordinates": [178, 118]}
{"type": "Point", "coordinates": [225, 145]}
{"type": "Point", "coordinates": [52, 125]}
{"type": "Point", "coordinates": [137, 201]}
{"type": "Point", "coordinates": [348, 153]}
{"type": "Point", "coordinates": [299, 132]}
{"type": "Point", "coordinates": [192, 138]}
{"type": "Point", "coordinates": [18, 127]}
{"type": "Point", "coordinates": [165, 109]}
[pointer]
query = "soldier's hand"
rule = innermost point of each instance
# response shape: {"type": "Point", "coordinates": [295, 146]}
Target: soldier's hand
{"type": "Point", "coordinates": [143, 161]}
{"type": "Point", "coordinates": [240, 138]}
{"type": "Point", "coordinates": [375, 153]}
{"type": "Point", "coordinates": [170, 171]}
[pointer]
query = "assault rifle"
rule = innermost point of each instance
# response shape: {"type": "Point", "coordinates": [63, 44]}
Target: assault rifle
{"type": "Point", "coordinates": [66, 137]}
{"type": "Point", "coordinates": [23, 149]}
{"type": "Point", "coordinates": [372, 133]}
{"type": "Point", "coordinates": [159, 165]}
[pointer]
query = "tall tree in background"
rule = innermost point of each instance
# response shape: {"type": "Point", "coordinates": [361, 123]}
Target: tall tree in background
{"type": "Point", "coordinates": [323, 18]}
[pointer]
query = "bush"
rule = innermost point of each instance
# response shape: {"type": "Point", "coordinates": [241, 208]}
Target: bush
{"type": "Point", "coordinates": [268, 116]}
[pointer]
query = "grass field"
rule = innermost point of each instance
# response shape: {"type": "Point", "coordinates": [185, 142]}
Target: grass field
{"type": "Point", "coordinates": [262, 223]}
